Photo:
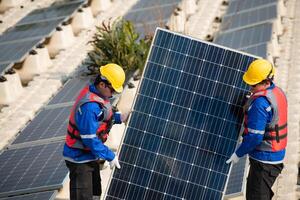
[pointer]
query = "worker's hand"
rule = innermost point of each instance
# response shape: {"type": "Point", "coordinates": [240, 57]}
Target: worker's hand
{"type": "Point", "coordinates": [233, 158]}
{"type": "Point", "coordinates": [114, 163]}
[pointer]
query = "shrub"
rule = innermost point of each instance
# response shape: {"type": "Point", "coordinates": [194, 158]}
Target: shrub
{"type": "Point", "coordinates": [118, 43]}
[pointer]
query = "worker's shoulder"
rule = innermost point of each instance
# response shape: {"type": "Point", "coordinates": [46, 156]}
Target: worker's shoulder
{"type": "Point", "coordinates": [91, 107]}
{"type": "Point", "coordinates": [261, 102]}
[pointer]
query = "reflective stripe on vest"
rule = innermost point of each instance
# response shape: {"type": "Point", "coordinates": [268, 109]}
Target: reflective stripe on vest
{"type": "Point", "coordinates": [275, 136]}
{"type": "Point", "coordinates": [73, 138]}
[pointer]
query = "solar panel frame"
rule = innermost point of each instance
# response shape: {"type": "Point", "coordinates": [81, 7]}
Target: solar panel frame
{"type": "Point", "coordinates": [32, 169]}
{"type": "Point", "coordinates": [249, 17]}
{"type": "Point", "coordinates": [50, 195]}
{"type": "Point", "coordinates": [126, 181]}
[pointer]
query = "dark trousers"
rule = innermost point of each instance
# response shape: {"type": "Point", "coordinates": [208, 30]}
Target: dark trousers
{"type": "Point", "coordinates": [85, 180]}
{"type": "Point", "coordinates": [260, 180]}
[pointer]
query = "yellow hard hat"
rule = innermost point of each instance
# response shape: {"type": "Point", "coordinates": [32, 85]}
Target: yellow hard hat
{"type": "Point", "coordinates": [258, 71]}
{"type": "Point", "coordinates": [114, 74]}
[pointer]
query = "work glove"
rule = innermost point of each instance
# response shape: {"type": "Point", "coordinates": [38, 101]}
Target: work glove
{"type": "Point", "coordinates": [114, 163]}
{"type": "Point", "coordinates": [233, 158]}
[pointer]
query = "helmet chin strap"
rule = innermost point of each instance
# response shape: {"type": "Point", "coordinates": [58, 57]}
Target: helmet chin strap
{"type": "Point", "coordinates": [270, 76]}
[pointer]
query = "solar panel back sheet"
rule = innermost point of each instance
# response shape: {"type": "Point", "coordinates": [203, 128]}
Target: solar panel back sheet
{"type": "Point", "coordinates": [185, 122]}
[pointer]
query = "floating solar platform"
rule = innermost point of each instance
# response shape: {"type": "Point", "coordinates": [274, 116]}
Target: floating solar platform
{"type": "Point", "coordinates": [48, 195]}
{"type": "Point", "coordinates": [249, 17]}
{"type": "Point", "coordinates": [47, 124]}
{"type": "Point", "coordinates": [246, 37]}
{"type": "Point", "coordinates": [16, 42]}
{"type": "Point", "coordinates": [240, 5]}
{"type": "Point", "coordinates": [185, 122]}
{"type": "Point", "coordinates": [70, 90]}
{"type": "Point", "coordinates": [60, 11]}
{"type": "Point", "coordinates": [32, 169]}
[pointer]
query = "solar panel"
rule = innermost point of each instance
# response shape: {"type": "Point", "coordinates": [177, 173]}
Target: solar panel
{"type": "Point", "coordinates": [185, 122]}
{"type": "Point", "coordinates": [47, 124]}
{"type": "Point", "coordinates": [246, 37]}
{"type": "Point", "coordinates": [147, 15]}
{"type": "Point", "coordinates": [237, 178]}
{"type": "Point", "coordinates": [53, 12]}
{"type": "Point", "coordinates": [249, 17]}
{"type": "Point", "coordinates": [50, 195]}
{"type": "Point", "coordinates": [70, 90]}
{"type": "Point", "coordinates": [32, 169]}
{"type": "Point", "coordinates": [154, 13]}
{"type": "Point", "coordinates": [239, 5]}
{"type": "Point", "coordinates": [15, 52]}
{"type": "Point", "coordinates": [145, 4]}
{"type": "Point", "coordinates": [28, 31]}
{"type": "Point", "coordinates": [259, 50]}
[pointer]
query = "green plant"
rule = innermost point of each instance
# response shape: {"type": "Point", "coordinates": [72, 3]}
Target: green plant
{"type": "Point", "coordinates": [118, 43]}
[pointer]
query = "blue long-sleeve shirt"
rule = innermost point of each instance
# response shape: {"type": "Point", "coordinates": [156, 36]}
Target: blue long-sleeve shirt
{"type": "Point", "coordinates": [87, 121]}
{"type": "Point", "coordinates": [259, 115]}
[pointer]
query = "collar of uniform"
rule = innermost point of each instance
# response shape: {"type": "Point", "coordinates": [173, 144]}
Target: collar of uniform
{"type": "Point", "coordinates": [94, 90]}
{"type": "Point", "coordinates": [260, 92]}
{"type": "Point", "coordinates": [271, 86]}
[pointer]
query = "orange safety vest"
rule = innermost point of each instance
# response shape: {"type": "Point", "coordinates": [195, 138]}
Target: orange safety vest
{"type": "Point", "coordinates": [73, 138]}
{"type": "Point", "coordinates": [275, 136]}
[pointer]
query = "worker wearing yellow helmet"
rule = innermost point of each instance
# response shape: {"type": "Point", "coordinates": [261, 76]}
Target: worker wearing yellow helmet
{"type": "Point", "coordinates": [265, 130]}
{"type": "Point", "coordinates": [90, 121]}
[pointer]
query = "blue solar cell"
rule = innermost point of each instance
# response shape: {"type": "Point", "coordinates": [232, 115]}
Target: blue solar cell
{"type": "Point", "coordinates": [239, 5]}
{"type": "Point", "coordinates": [249, 17]}
{"type": "Point", "coordinates": [32, 169]}
{"type": "Point", "coordinates": [176, 144]}
{"type": "Point", "coordinates": [246, 37]}
{"type": "Point", "coordinates": [48, 195]}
